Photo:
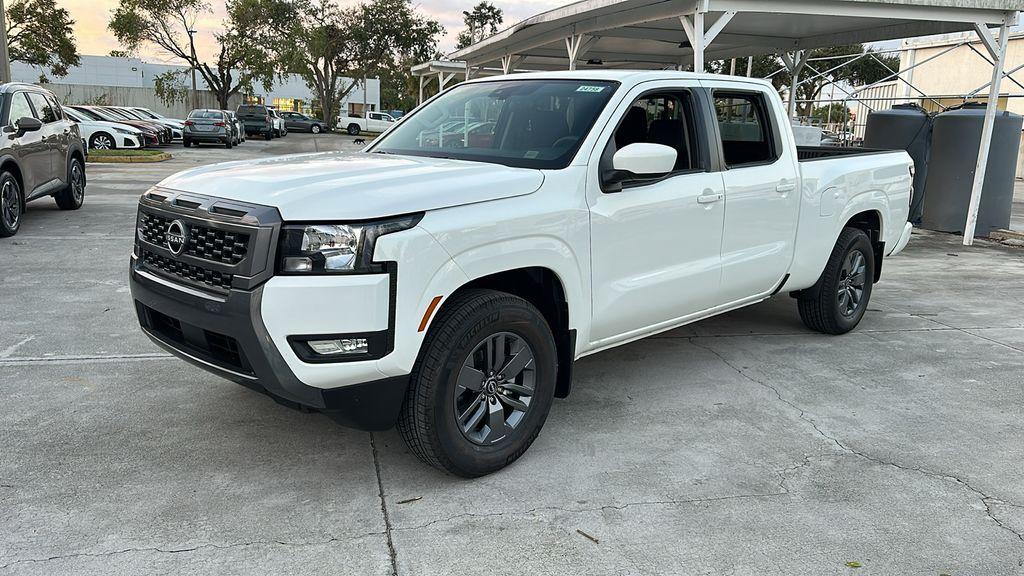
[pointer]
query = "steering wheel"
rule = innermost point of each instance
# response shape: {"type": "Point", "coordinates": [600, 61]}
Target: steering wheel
{"type": "Point", "coordinates": [565, 141]}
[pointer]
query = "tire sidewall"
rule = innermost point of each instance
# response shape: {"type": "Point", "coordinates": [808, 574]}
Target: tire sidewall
{"type": "Point", "coordinates": [92, 141]}
{"type": "Point", "coordinates": [76, 202]}
{"type": "Point", "coordinates": [858, 241]}
{"type": "Point", "coordinates": [4, 229]}
{"type": "Point", "coordinates": [525, 322]}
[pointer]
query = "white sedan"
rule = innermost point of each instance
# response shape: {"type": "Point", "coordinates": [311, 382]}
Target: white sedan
{"type": "Point", "coordinates": [104, 135]}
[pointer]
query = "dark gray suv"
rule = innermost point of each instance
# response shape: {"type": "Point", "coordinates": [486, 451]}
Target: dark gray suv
{"type": "Point", "coordinates": [41, 154]}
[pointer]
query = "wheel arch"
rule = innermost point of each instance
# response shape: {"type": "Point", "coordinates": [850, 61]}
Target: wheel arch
{"type": "Point", "coordinates": [545, 289]}
{"type": "Point", "coordinates": [870, 221]}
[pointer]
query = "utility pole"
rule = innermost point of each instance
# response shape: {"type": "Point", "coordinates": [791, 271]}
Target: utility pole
{"type": "Point", "coordinates": [192, 65]}
{"type": "Point", "coordinates": [5, 58]}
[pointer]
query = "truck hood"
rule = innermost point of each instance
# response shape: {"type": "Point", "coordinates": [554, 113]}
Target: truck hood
{"type": "Point", "coordinates": [343, 186]}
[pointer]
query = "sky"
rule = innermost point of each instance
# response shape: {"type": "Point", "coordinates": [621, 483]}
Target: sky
{"type": "Point", "coordinates": [91, 18]}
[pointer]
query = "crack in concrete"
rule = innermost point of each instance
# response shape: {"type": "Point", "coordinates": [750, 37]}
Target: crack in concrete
{"type": "Point", "coordinates": [196, 548]}
{"type": "Point", "coordinates": [669, 502]}
{"type": "Point", "coordinates": [392, 554]}
{"type": "Point", "coordinates": [986, 500]}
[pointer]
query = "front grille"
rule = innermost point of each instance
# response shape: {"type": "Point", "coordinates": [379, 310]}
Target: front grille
{"type": "Point", "coordinates": [197, 275]}
{"type": "Point", "coordinates": [211, 244]}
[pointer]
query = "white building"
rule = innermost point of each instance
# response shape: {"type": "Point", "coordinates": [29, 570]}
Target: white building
{"type": "Point", "coordinates": [291, 93]}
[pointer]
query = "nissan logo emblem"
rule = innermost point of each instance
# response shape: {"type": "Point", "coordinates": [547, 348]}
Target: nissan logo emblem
{"type": "Point", "coordinates": [176, 237]}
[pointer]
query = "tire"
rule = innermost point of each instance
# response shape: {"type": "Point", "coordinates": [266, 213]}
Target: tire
{"type": "Point", "coordinates": [73, 195]}
{"type": "Point", "coordinates": [228, 144]}
{"type": "Point", "coordinates": [186, 143]}
{"type": "Point", "coordinates": [353, 129]}
{"type": "Point", "coordinates": [12, 205]}
{"type": "Point", "coordinates": [102, 141]}
{"type": "Point", "coordinates": [837, 302]}
{"type": "Point", "coordinates": [315, 129]}
{"type": "Point", "coordinates": [458, 348]}
{"type": "Point", "coordinates": [268, 136]}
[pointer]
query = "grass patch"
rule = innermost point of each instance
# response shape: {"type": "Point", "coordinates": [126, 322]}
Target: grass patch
{"type": "Point", "coordinates": [123, 153]}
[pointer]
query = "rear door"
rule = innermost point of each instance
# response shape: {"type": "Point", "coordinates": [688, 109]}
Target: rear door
{"type": "Point", "coordinates": [656, 243]}
{"type": "Point", "coordinates": [762, 199]}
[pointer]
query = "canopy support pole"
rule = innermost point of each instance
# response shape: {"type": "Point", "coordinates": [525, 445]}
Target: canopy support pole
{"type": "Point", "coordinates": [572, 46]}
{"type": "Point", "coordinates": [420, 101]}
{"type": "Point", "coordinates": [795, 62]}
{"type": "Point", "coordinates": [997, 49]}
{"type": "Point", "coordinates": [695, 34]}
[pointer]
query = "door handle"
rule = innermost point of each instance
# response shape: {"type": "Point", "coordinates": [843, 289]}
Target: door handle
{"type": "Point", "coordinates": [708, 198]}
{"type": "Point", "coordinates": [785, 187]}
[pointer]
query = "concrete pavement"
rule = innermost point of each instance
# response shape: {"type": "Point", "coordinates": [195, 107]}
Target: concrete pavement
{"type": "Point", "coordinates": [740, 445]}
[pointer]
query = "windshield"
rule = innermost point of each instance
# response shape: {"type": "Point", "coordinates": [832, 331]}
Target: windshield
{"type": "Point", "coordinates": [523, 123]}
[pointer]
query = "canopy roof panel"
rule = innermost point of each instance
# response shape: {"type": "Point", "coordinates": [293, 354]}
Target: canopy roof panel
{"type": "Point", "coordinates": [649, 33]}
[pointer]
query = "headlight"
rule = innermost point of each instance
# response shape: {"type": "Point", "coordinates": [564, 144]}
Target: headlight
{"type": "Point", "coordinates": [335, 248]}
{"type": "Point", "coordinates": [123, 131]}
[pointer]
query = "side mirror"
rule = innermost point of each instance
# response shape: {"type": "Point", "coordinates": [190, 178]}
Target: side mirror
{"type": "Point", "coordinates": [641, 159]}
{"type": "Point", "coordinates": [27, 124]}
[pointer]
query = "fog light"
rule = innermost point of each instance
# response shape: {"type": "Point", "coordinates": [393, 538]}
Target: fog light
{"type": "Point", "coordinates": [343, 346]}
{"type": "Point", "coordinates": [297, 264]}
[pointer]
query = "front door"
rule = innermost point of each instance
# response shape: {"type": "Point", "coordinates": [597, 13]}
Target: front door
{"type": "Point", "coordinates": [656, 244]}
{"type": "Point", "coordinates": [30, 148]}
{"type": "Point", "coordinates": [762, 201]}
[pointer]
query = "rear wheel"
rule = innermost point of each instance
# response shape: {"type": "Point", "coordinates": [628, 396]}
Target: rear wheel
{"type": "Point", "coordinates": [186, 142]}
{"type": "Point", "coordinates": [11, 205]}
{"type": "Point", "coordinates": [483, 385]}
{"type": "Point", "coordinates": [102, 141]}
{"type": "Point", "coordinates": [837, 302]}
{"type": "Point", "coordinates": [228, 143]}
{"type": "Point", "coordinates": [72, 196]}
{"type": "Point", "coordinates": [353, 129]}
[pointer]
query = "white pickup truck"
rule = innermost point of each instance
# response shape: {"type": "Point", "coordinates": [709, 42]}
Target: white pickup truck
{"type": "Point", "coordinates": [449, 289]}
{"type": "Point", "coordinates": [373, 122]}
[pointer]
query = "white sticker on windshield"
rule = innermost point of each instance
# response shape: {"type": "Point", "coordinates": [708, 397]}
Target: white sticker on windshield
{"type": "Point", "coordinates": [531, 154]}
{"type": "Point", "coordinates": [590, 89]}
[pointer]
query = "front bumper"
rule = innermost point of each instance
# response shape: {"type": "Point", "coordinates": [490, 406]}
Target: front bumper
{"type": "Point", "coordinates": [227, 336]}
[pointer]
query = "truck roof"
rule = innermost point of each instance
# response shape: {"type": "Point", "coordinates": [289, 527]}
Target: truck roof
{"type": "Point", "coordinates": [623, 76]}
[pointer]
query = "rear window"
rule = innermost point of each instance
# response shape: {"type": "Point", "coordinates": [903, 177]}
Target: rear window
{"type": "Point", "coordinates": [745, 128]}
{"type": "Point", "coordinates": [206, 114]}
{"type": "Point", "coordinates": [252, 110]}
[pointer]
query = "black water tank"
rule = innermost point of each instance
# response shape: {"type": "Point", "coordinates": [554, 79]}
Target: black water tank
{"type": "Point", "coordinates": [904, 127]}
{"type": "Point", "coordinates": [956, 136]}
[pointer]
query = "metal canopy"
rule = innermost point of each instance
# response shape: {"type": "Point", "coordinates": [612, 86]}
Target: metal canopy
{"type": "Point", "coordinates": [658, 34]}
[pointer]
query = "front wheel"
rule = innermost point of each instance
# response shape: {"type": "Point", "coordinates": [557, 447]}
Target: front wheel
{"type": "Point", "coordinates": [11, 205]}
{"type": "Point", "coordinates": [483, 385]}
{"type": "Point", "coordinates": [837, 302]}
{"type": "Point", "coordinates": [73, 195]}
{"type": "Point", "coordinates": [315, 129]}
{"type": "Point", "coordinates": [102, 141]}
{"type": "Point", "coordinates": [269, 135]}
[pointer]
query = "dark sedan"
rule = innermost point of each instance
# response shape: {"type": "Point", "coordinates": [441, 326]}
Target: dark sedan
{"type": "Point", "coordinates": [302, 123]}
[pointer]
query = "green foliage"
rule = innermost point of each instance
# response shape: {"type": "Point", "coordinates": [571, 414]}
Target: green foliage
{"type": "Point", "coordinates": [41, 34]}
{"type": "Point", "coordinates": [165, 24]}
{"type": "Point", "coordinates": [482, 21]}
{"type": "Point", "coordinates": [170, 87]}
{"type": "Point", "coordinates": [101, 100]}
{"type": "Point", "coordinates": [390, 37]}
{"type": "Point", "coordinates": [834, 112]}
{"type": "Point", "coordinates": [119, 54]}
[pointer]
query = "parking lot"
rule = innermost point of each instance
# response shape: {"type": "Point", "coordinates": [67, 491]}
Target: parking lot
{"type": "Point", "coordinates": [744, 444]}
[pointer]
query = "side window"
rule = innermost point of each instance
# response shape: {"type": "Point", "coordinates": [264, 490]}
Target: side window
{"type": "Point", "coordinates": [665, 118]}
{"type": "Point", "coordinates": [43, 107]}
{"type": "Point", "coordinates": [746, 130]}
{"type": "Point", "coordinates": [19, 108]}
{"type": "Point", "coordinates": [55, 106]}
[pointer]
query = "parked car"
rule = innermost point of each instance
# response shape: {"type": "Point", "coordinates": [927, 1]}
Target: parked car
{"type": "Point", "coordinates": [103, 135]}
{"type": "Point", "coordinates": [374, 122]}
{"type": "Point", "coordinates": [42, 154]}
{"type": "Point", "coordinates": [237, 125]}
{"type": "Point", "coordinates": [280, 130]}
{"type": "Point", "coordinates": [302, 123]}
{"type": "Point", "coordinates": [205, 125]}
{"type": "Point", "coordinates": [450, 289]}
{"type": "Point", "coordinates": [175, 126]}
{"type": "Point", "coordinates": [257, 119]}
{"type": "Point", "coordinates": [150, 115]}
{"type": "Point", "coordinates": [161, 134]}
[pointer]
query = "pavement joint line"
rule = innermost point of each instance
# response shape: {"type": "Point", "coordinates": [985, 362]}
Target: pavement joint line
{"type": "Point", "coordinates": [196, 548]}
{"type": "Point", "coordinates": [392, 554]}
{"type": "Point", "coordinates": [6, 352]}
{"type": "Point", "coordinates": [986, 500]}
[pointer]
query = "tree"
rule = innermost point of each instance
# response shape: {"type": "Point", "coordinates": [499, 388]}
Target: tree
{"type": "Point", "coordinates": [321, 50]}
{"type": "Point", "coordinates": [41, 34]}
{"type": "Point", "coordinates": [170, 87]}
{"type": "Point", "coordinates": [482, 21]}
{"type": "Point", "coordinates": [165, 24]}
{"type": "Point", "coordinates": [389, 37]}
